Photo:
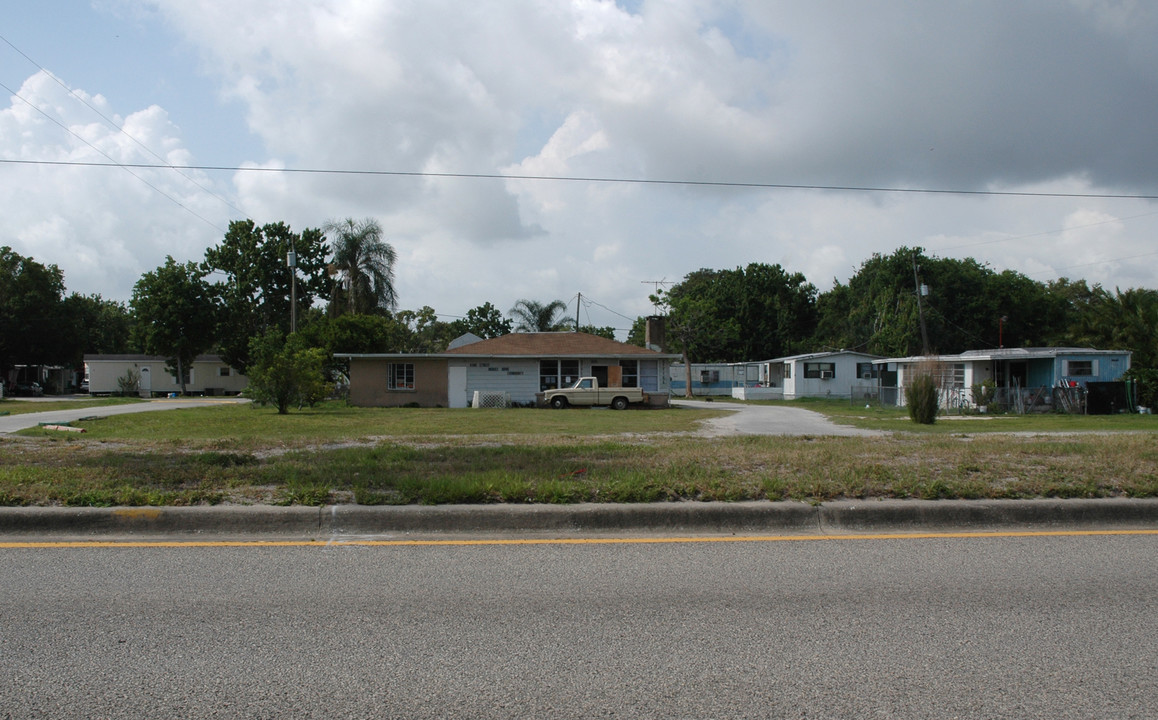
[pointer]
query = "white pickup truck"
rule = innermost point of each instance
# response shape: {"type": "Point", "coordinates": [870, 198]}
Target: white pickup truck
{"type": "Point", "coordinates": [586, 392]}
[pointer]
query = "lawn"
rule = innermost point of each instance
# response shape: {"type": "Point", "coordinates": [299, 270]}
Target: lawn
{"type": "Point", "coordinates": [10, 406]}
{"type": "Point", "coordinates": [338, 454]}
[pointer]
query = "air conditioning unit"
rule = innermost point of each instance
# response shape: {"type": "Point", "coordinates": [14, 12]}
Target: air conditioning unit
{"type": "Point", "coordinates": [825, 374]}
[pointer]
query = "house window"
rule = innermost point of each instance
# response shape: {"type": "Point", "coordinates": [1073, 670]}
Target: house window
{"type": "Point", "coordinates": [787, 371]}
{"type": "Point", "coordinates": [548, 375]}
{"type": "Point", "coordinates": [224, 371]}
{"type": "Point", "coordinates": [557, 373]}
{"type": "Point", "coordinates": [568, 372]}
{"type": "Point", "coordinates": [951, 376]}
{"type": "Point", "coordinates": [400, 376]}
{"type": "Point", "coordinates": [1080, 368]}
{"type": "Point", "coordinates": [630, 370]}
{"type": "Point", "coordinates": [824, 370]}
{"type": "Point", "coordinates": [865, 371]}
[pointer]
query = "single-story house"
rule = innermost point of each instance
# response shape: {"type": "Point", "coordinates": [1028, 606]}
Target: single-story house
{"type": "Point", "coordinates": [209, 375]}
{"type": "Point", "coordinates": [518, 366]}
{"type": "Point", "coordinates": [839, 374]}
{"type": "Point", "coordinates": [1023, 377]}
{"type": "Point", "coordinates": [715, 378]}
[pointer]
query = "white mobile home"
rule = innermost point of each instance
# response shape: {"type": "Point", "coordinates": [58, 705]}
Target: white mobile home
{"type": "Point", "coordinates": [209, 375]}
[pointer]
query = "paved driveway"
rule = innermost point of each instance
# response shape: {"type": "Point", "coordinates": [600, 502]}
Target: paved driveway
{"type": "Point", "coordinates": [12, 423]}
{"type": "Point", "coordinates": [746, 419]}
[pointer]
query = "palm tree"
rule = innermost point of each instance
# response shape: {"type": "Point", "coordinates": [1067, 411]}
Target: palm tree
{"type": "Point", "coordinates": [363, 267]}
{"type": "Point", "coordinates": [531, 316]}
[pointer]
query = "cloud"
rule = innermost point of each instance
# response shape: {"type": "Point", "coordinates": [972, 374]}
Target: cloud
{"type": "Point", "coordinates": [1040, 97]}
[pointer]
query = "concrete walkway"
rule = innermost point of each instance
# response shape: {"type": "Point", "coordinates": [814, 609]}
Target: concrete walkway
{"type": "Point", "coordinates": [747, 419]}
{"type": "Point", "coordinates": [12, 423]}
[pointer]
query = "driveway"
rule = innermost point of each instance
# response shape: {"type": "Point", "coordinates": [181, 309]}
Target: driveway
{"type": "Point", "coordinates": [746, 419]}
{"type": "Point", "coordinates": [12, 423]}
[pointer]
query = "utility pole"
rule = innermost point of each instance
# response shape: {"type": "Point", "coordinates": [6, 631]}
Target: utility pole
{"type": "Point", "coordinates": [920, 310]}
{"type": "Point", "coordinates": [291, 260]}
{"type": "Point", "coordinates": [578, 303]}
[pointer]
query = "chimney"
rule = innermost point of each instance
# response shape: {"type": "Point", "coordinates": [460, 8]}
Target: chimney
{"type": "Point", "coordinates": [654, 334]}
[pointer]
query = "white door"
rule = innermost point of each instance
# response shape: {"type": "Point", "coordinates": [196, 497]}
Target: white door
{"type": "Point", "coordinates": [456, 386]}
{"type": "Point", "coordinates": [146, 382]}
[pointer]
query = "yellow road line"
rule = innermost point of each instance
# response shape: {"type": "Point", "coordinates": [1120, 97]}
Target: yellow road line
{"type": "Point", "coordinates": [558, 541]}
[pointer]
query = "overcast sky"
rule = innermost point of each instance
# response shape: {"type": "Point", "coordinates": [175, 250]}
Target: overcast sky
{"type": "Point", "coordinates": [1027, 98]}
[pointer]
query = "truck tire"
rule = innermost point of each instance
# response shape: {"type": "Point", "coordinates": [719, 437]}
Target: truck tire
{"type": "Point", "coordinates": [619, 403]}
{"type": "Point", "coordinates": [559, 402]}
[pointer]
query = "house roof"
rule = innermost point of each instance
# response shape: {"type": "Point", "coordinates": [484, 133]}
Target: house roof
{"type": "Point", "coordinates": [826, 354]}
{"type": "Point", "coordinates": [144, 358]}
{"type": "Point", "coordinates": [1006, 354]}
{"type": "Point", "coordinates": [538, 345]}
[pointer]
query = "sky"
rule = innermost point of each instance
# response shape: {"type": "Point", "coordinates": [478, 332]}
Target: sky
{"type": "Point", "coordinates": [552, 149]}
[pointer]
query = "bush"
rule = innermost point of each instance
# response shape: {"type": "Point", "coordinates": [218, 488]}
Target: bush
{"type": "Point", "coordinates": [922, 397]}
{"type": "Point", "coordinates": [984, 392]}
{"type": "Point", "coordinates": [284, 372]}
{"type": "Point", "coordinates": [130, 383]}
{"type": "Point", "coordinates": [1146, 387]}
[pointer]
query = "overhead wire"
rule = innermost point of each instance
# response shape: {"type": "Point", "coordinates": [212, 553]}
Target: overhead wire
{"type": "Point", "coordinates": [113, 163]}
{"type": "Point", "coordinates": [589, 179]}
{"type": "Point", "coordinates": [119, 128]}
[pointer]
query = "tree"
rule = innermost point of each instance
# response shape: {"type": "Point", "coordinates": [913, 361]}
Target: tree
{"type": "Point", "coordinates": [532, 316]}
{"type": "Point", "coordinates": [97, 326]}
{"type": "Point", "coordinates": [256, 286]}
{"type": "Point", "coordinates": [175, 314]}
{"type": "Point", "coordinates": [427, 334]}
{"type": "Point", "coordinates": [486, 321]}
{"type": "Point", "coordinates": [286, 371]}
{"type": "Point", "coordinates": [32, 313]}
{"type": "Point", "coordinates": [363, 268]}
{"type": "Point", "coordinates": [603, 332]}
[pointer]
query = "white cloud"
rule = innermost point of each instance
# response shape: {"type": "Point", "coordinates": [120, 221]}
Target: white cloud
{"type": "Point", "coordinates": [1041, 97]}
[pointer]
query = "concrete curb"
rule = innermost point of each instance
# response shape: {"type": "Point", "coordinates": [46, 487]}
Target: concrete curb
{"type": "Point", "coordinates": [744, 517]}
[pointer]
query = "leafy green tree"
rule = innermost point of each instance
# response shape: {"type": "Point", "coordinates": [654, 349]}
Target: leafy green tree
{"type": "Point", "coordinates": [638, 334]}
{"type": "Point", "coordinates": [286, 371]}
{"type": "Point", "coordinates": [427, 334]}
{"type": "Point", "coordinates": [603, 332]}
{"type": "Point", "coordinates": [175, 314]}
{"type": "Point", "coordinates": [363, 268]}
{"type": "Point", "coordinates": [532, 316]}
{"type": "Point", "coordinates": [32, 313]}
{"type": "Point", "coordinates": [97, 326]}
{"type": "Point", "coordinates": [255, 284]}
{"type": "Point", "coordinates": [486, 321]}
{"type": "Point", "coordinates": [757, 312]}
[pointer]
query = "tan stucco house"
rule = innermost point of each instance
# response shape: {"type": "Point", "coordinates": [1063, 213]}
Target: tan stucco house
{"type": "Point", "coordinates": [520, 366]}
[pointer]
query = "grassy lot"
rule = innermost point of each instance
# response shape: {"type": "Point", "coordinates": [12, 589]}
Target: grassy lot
{"type": "Point", "coordinates": [9, 406]}
{"type": "Point", "coordinates": [239, 454]}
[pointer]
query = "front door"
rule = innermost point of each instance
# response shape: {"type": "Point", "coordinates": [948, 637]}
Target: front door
{"type": "Point", "coordinates": [600, 373]}
{"type": "Point", "coordinates": [146, 382]}
{"type": "Point", "coordinates": [456, 387]}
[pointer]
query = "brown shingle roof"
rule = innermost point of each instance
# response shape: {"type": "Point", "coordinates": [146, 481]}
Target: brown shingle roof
{"type": "Point", "coordinates": [551, 344]}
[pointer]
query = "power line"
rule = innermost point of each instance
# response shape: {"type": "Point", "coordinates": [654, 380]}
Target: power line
{"type": "Point", "coordinates": [116, 127]}
{"type": "Point", "coordinates": [113, 164]}
{"type": "Point", "coordinates": [592, 179]}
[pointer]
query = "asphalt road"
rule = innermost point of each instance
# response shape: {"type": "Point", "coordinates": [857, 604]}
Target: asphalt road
{"type": "Point", "coordinates": [992, 627]}
{"type": "Point", "coordinates": [769, 420]}
{"type": "Point", "coordinates": [12, 423]}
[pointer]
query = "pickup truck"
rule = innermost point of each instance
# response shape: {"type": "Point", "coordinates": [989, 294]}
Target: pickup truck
{"type": "Point", "coordinates": [587, 392]}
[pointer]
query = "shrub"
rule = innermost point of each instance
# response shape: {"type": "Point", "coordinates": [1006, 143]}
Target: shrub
{"type": "Point", "coordinates": [922, 397]}
{"type": "Point", "coordinates": [984, 392]}
{"type": "Point", "coordinates": [129, 383]}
